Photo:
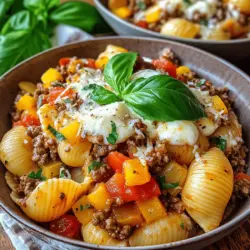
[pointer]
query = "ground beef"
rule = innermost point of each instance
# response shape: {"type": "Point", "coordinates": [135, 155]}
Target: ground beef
{"type": "Point", "coordinates": [173, 203]}
{"type": "Point", "coordinates": [105, 220]}
{"type": "Point", "coordinates": [242, 188]}
{"type": "Point", "coordinates": [40, 90]}
{"type": "Point", "coordinates": [230, 207]}
{"type": "Point", "coordinates": [102, 174]}
{"type": "Point", "coordinates": [26, 185]}
{"type": "Point", "coordinates": [141, 64]}
{"type": "Point", "coordinates": [168, 54]}
{"type": "Point", "coordinates": [99, 150]}
{"type": "Point", "coordinates": [44, 149]}
{"type": "Point", "coordinates": [237, 158]}
{"type": "Point", "coordinates": [60, 106]}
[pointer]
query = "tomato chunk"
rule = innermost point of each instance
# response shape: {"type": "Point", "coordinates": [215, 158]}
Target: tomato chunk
{"type": "Point", "coordinates": [55, 92]}
{"type": "Point", "coordinates": [117, 188]}
{"type": "Point", "coordinates": [166, 66]}
{"type": "Point", "coordinates": [241, 176]}
{"type": "Point", "coordinates": [142, 24]}
{"type": "Point", "coordinates": [64, 61]}
{"type": "Point", "coordinates": [115, 161]}
{"type": "Point", "coordinates": [148, 190]}
{"type": "Point", "coordinates": [67, 225]}
{"type": "Point", "coordinates": [90, 63]}
{"type": "Point", "coordinates": [29, 120]}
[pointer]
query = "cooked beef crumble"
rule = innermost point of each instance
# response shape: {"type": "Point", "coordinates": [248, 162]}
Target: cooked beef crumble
{"type": "Point", "coordinates": [173, 203]}
{"type": "Point", "coordinates": [242, 188]}
{"type": "Point", "coordinates": [105, 220]}
{"type": "Point", "coordinates": [102, 174]}
{"type": "Point", "coordinates": [26, 185]}
{"type": "Point", "coordinates": [99, 150]}
{"type": "Point", "coordinates": [44, 149]}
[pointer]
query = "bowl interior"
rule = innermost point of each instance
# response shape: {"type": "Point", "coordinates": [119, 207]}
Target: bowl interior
{"type": "Point", "coordinates": [216, 70]}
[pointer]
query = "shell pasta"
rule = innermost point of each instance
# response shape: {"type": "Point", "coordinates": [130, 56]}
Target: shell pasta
{"type": "Point", "coordinates": [124, 150]}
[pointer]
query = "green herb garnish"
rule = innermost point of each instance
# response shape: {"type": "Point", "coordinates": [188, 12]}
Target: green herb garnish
{"type": "Point", "coordinates": [113, 136]}
{"type": "Point", "coordinates": [141, 5]}
{"type": "Point", "coordinates": [204, 22]}
{"type": "Point", "coordinates": [84, 207]}
{"type": "Point", "coordinates": [202, 82]}
{"type": "Point", "coordinates": [188, 2]}
{"type": "Point", "coordinates": [67, 100]}
{"type": "Point", "coordinates": [219, 142]}
{"type": "Point", "coordinates": [157, 98]}
{"type": "Point", "coordinates": [94, 165]}
{"type": "Point", "coordinates": [163, 185]}
{"type": "Point", "coordinates": [182, 225]}
{"type": "Point", "coordinates": [38, 175]}
{"type": "Point", "coordinates": [62, 173]}
{"type": "Point", "coordinates": [58, 135]}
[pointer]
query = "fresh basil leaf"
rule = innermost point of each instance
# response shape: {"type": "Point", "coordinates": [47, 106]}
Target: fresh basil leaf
{"type": "Point", "coordinates": [17, 46]}
{"type": "Point", "coordinates": [23, 20]}
{"type": "Point", "coordinates": [58, 135]}
{"type": "Point", "coordinates": [219, 142]}
{"type": "Point", "coordinates": [188, 2]}
{"type": "Point", "coordinates": [38, 175]}
{"type": "Point", "coordinates": [163, 185]}
{"type": "Point", "coordinates": [119, 70]}
{"type": "Point", "coordinates": [162, 98]}
{"type": "Point", "coordinates": [38, 5]}
{"type": "Point", "coordinates": [202, 82]}
{"type": "Point", "coordinates": [103, 96]}
{"type": "Point", "coordinates": [85, 207]}
{"type": "Point", "coordinates": [17, 6]}
{"type": "Point", "coordinates": [81, 15]}
{"type": "Point", "coordinates": [113, 136]}
{"type": "Point", "coordinates": [141, 5]}
{"type": "Point", "coordinates": [94, 165]}
{"type": "Point", "coordinates": [182, 225]}
{"type": "Point", "coordinates": [5, 5]}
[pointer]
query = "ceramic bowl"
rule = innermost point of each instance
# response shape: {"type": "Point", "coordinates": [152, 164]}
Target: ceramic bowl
{"type": "Point", "coordinates": [233, 50]}
{"type": "Point", "coordinates": [208, 66]}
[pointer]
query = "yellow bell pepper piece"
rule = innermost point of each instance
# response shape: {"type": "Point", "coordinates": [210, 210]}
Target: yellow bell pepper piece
{"type": "Point", "coordinates": [72, 132]}
{"type": "Point", "coordinates": [51, 170]}
{"type": "Point", "coordinates": [99, 197]}
{"type": "Point", "coordinates": [101, 62]}
{"type": "Point", "coordinates": [151, 209]}
{"type": "Point", "coordinates": [83, 210]}
{"type": "Point", "coordinates": [128, 214]}
{"type": "Point", "coordinates": [175, 173]}
{"type": "Point", "coordinates": [26, 102]}
{"type": "Point", "coordinates": [122, 12]}
{"type": "Point", "coordinates": [182, 70]}
{"type": "Point", "coordinates": [153, 14]}
{"type": "Point", "coordinates": [27, 87]}
{"type": "Point", "coordinates": [51, 75]}
{"type": "Point", "coordinates": [115, 49]}
{"type": "Point", "coordinates": [219, 105]}
{"type": "Point", "coordinates": [114, 4]}
{"type": "Point", "coordinates": [135, 172]}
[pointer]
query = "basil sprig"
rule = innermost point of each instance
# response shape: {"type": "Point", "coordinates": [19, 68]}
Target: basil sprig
{"type": "Point", "coordinates": [37, 175]}
{"type": "Point", "coordinates": [27, 26]}
{"type": "Point", "coordinates": [113, 136]}
{"type": "Point", "coordinates": [157, 98]}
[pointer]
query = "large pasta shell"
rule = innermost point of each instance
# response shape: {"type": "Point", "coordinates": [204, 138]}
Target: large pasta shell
{"type": "Point", "coordinates": [53, 198]}
{"type": "Point", "coordinates": [181, 28]}
{"type": "Point", "coordinates": [242, 5]}
{"type": "Point", "coordinates": [11, 181]}
{"type": "Point", "coordinates": [231, 133]}
{"type": "Point", "coordinates": [96, 235]}
{"type": "Point", "coordinates": [208, 188]}
{"type": "Point", "coordinates": [173, 227]}
{"type": "Point", "coordinates": [16, 151]}
{"type": "Point", "coordinates": [184, 154]}
{"type": "Point", "coordinates": [74, 155]}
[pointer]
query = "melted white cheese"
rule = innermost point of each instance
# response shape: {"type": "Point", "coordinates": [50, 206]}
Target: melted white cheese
{"type": "Point", "coordinates": [178, 132]}
{"type": "Point", "coordinates": [171, 6]}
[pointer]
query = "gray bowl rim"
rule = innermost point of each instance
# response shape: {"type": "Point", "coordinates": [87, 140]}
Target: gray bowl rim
{"type": "Point", "coordinates": [149, 33]}
{"type": "Point", "coordinates": [226, 228]}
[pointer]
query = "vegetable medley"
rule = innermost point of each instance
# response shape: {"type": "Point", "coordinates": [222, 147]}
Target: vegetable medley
{"type": "Point", "coordinates": [125, 150]}
{"type": "Point", "coordinates": [203, 19]}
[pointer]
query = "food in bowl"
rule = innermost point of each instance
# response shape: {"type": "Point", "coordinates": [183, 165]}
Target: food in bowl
{"type": "Point", "coordinates": [201, 19]}
{"type": "Point", "coordinates": [125, 151]}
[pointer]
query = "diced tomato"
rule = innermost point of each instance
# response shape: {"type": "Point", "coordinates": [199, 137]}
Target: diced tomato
{"type": "Point", "coordinates": [115, 161]}
{"type": "Point", "coordinates": [166, 66]}
{"type": "Point", "coordinates": [55, 92]}
{"type": "Point", "coordinates": [67, 225]}
{"type": "Point", "coordinates": [148, 190]}
{"type": "Point", "coordinates": [241, 176]}
{"type": "Point", "coordinates": [90, 63]}
{"type": "Point", "coordinates": [142, 24]}
{"type": "Point", "coordinates": [117, 188]}
{"type": "Point", "coordinates": [64, 61]}
{"type": "Point", "coordinates": [29, 120]}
